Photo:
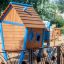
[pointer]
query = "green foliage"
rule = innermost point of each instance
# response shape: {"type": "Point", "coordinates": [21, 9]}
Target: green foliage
{"type": "Point", "coordinates": [59, 21]}
{"type": "Point", "coordinates": [47, 10]}
{"type": "Point", "coordinates": [3, 4]}
{"type": "Point", "coordinates": [61, 5]}
{"type": "Point", "coordinates": [62, 30]}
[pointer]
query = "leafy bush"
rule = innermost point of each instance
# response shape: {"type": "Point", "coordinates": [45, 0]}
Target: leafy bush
{"type": "Point", "coordinates": [62, 31]}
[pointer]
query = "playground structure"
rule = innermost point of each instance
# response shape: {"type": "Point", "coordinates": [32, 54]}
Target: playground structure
{"type": "Point", "coordinates": [56, 37]}
{"type": "Point", "coordinates": [22, 31]}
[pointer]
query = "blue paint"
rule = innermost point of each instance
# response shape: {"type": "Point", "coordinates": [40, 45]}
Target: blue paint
{"type": "Point", "coordinates": [25, 8]}
{"type": "Point", "coordinates": [43, 36]}
{"type": "Point", "coordinates": [47, 33]}
{"type": "Point", "coordinates": [31, 35]}
{"type": "Point", "coordinates": [0, 21]}
{"type": "Point", "coordinates": [48, 44]}
{"type": "Point", "coordinates": [13, 23]}
{"type": "Point", "coordinates": [29, 5]}
{"type": "Point", "coordinates": [47, 36]}
{"type": "Point", "coordinates": [24, 46]}
{"type": "Point", "coordinates": [3, 47]}
{"type": "Point", "coordinates": [47, 24]}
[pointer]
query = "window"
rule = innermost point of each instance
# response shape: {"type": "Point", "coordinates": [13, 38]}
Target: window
{"type": "Point", "coordinates": [38, 37]}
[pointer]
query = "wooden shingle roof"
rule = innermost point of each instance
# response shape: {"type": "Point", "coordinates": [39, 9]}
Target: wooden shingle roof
{"type": "Point", "coordinates": [29, 17]}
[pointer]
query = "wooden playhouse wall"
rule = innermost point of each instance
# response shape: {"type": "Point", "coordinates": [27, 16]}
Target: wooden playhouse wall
{"type": "Point", "coordinates": [34, 43]}
{"type": "Point", "coordinates": [13, 35]}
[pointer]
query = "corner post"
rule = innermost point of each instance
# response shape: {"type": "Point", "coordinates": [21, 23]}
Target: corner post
{"type": "Point", "coordinates": [24, 46]}
{"type": "Point", "coordinates": [3, 46]}
{"type": "Point", "coordinates": [58, 54]}
{"type": "Point", "coordinates": [43, 36]}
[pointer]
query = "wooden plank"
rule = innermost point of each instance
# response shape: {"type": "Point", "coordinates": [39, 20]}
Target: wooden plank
{"type": "Point", "coordinates": [20, 6]}
{"type": "Point", "coordinates": [16, 44]}
{"type": "Point", "coordinates": [13, 28]}
{"type": "Point", "coordinates": [14, 41]}
{"type": "Point", "coordinates": [34, 26]}
{"type": "Point", "coordinates": [6, 30]}
{"type": "Point", "coordinates": [28, 11]}
{"type": "Point", "coordinates": [18, 36]}
{"type": "Point", "coordinates": [10, 38]}
{"type": "Point", "coordinates": [33, 19]}
{"type": "Point", "coordinates": [11, 35]}
{"type": "Point", "coordinates": [28, 16]}
{"type": "Point", "coordinates": [15, 33]}
{"type": "Point", "coordinates": [8, 42]}
{"type": "Point", "coordinates": [13, 47]}
{"type": "Point", "coordinates": [32, 22]}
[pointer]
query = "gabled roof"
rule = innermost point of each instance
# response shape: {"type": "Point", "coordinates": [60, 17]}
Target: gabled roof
{"type": "Point", "coordinates": [27, 14]}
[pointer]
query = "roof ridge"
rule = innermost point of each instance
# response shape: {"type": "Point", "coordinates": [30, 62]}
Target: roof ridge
{"type": "Point", "coordinates": [22, 4]}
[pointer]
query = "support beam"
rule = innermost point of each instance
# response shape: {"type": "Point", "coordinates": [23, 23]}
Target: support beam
{"type": "Point", "coordinates": [28, 5]}
{"type": "Point", "coordinates": [48, 43]}
{"type": "Point", "coordinates": [11, 22]}
{"type": "Point", "coordinates": [43, 36]}
{"type": "Point", "coordinates": [22, 54]}
{"type": "Point", "coordinates": [3, 46]}
{"type": "Point", "coordinates": [58, 54]}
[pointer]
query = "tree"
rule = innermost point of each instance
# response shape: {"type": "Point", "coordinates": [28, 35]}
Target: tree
{"type": "Point", "coordinates": [47, 10]}
{"type": "Point", "coordinates": [59, 21]}
{"type": "Point", "coordinates": [3, 4]}
{"type": "Point", "coordinates": [61, 5]}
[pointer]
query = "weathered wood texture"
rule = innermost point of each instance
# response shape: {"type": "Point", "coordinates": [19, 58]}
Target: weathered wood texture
{"type": "Point", "coordinates": [34, 43]}
{"type": "Point", "coordinates": [29, 17]}
{"type": "Point", "coordinates": [13, 35]}
{"type": "Point", "coordinates": [56, 33]}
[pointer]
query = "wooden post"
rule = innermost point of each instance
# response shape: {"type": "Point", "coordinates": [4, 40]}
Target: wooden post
{"type": "Point", "coordinates": [58, 54]}
{"type": "Point", "coordinates": [30, 56]}
{"type": "Point", "coordinates": [63, 58]}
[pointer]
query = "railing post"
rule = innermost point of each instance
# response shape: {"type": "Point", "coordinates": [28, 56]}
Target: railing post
{"type": "Point", "coordinates": [58, 54]}
{"type": "Point", "coordinates": [30, 56]}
